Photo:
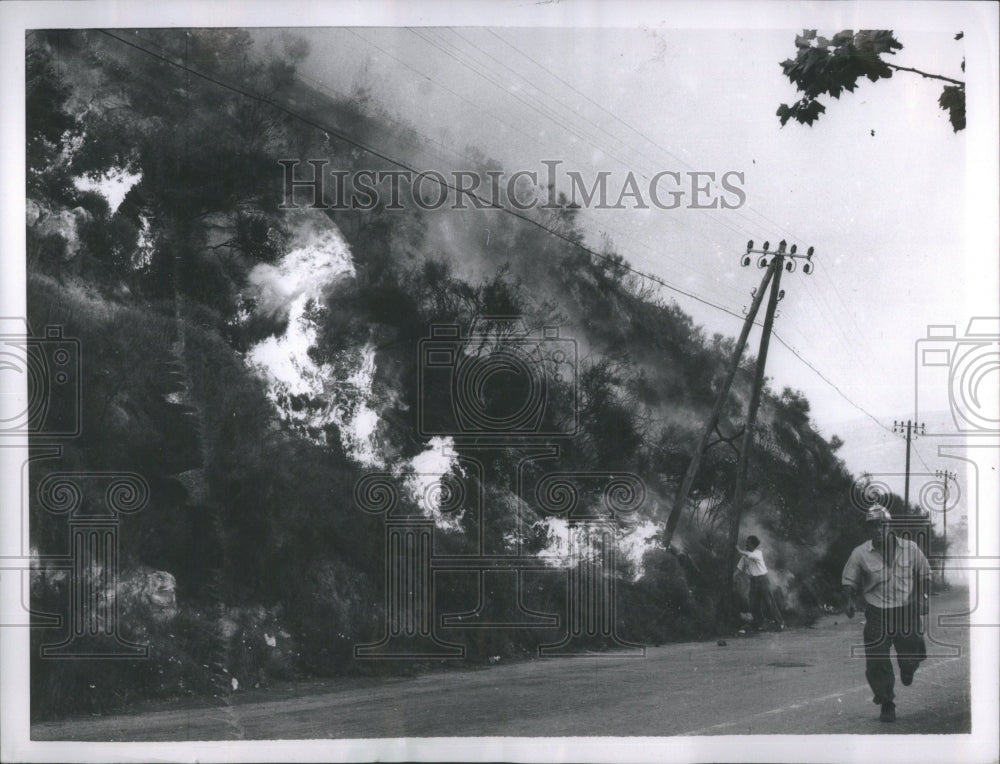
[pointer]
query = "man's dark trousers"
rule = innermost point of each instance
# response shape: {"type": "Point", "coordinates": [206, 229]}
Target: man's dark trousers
{"type": "Point", "coordinates": [761, 597]}
{"type": "Point", "coordinates": [885, 627]}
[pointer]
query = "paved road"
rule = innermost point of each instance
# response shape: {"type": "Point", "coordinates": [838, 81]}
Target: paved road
{"type": "Point", "coordinates": [801, 681]}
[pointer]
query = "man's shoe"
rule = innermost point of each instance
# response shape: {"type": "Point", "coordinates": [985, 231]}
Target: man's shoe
{"type": "Point", "coordinates": [888, 712]}
{"type": "Point", "coordinates": [906, 677]}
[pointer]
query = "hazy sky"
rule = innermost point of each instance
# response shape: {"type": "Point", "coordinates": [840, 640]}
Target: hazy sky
{"type": "Point", "coordinates": [879, 185]}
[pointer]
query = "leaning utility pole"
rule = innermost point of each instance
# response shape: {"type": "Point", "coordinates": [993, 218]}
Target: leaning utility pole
{"type": "Point", "coordinates": [777, 293]}
{"type": "Point", "coordinates": [773, 262]}
{"type": "Point", "coordinates": [713, 420]}
{"type": "Point", "coordinates": [755, 393]}
{"type": "Point", "coordinates": [912, 431]}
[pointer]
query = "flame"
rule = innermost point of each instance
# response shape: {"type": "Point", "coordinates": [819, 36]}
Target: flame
{"type": "Point", "coordinates": [326, 393]}
{"type": "Point", "coordinates": [113, 184]}
{"type": "Point", "coordinates": [424, 473]}
{"type": "Point", "coordinates": [631, 543]}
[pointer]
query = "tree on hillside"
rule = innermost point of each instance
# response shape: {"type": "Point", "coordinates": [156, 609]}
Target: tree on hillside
{"type": "Point", "coordinates": [829, 67]}
{"type": "Point", "coordinates": [49, 124]}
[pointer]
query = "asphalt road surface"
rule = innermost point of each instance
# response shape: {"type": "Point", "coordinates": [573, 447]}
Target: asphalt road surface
{"type": "Point", "coordinates": [801, 681]}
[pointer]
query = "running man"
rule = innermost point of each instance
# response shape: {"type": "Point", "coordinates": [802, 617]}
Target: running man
{"type": "Point", "coordinates": [893, 576]}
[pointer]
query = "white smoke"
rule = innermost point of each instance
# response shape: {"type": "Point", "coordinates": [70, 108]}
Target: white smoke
{"type": "Point", "coordinates": [319, 259]}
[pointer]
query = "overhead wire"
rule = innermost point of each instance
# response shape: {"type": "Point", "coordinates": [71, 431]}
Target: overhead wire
{"type": "Point", "coordinates": [657, 252]}
{"type": "Point", "coordinates": [816, 293]}
{"type": "Point", "coordinates": [490, 205]}
{"type": "Point", "coordinates": [620, 234]}
{"type": "Point", "coordinates": [839, 333]}
{"type": "Point", "coordinates": [546, 112]}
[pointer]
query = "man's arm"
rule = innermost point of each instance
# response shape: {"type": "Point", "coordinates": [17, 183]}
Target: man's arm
{"type": "Point", "coordinates": [920, 598]}
{"type": "Point", "coordinates": [849, 595]}
{"type": "Point", "coordinates": [849, 583]}
{"type": "Point", "coordinates": [921, 583]}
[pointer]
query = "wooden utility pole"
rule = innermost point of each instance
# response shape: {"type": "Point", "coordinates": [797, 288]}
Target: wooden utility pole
{"type": "Point", "coordinates": [755, 393]}
{"type": "Point", "coordinates": [911, 431]}
{"type": "Point", "coordinates": [770, 260]}
{"type": "Point", "coordinates": [945, 476]}
{"type": "Point", "coordinates": [720, 401]}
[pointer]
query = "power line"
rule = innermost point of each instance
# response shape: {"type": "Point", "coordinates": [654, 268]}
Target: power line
{"type": "Point", "coordinates": [465, 61]}
{"type": "Point", "coordinates": [491, 205]}
{"type": "Point", "coordinates": [444, 87]}
{"type": "Point", "coordinates": [478, 108]}
{"type": "Point", "coordinates": [840, 333]}
{"type": "Point", "coordinates": [822, 297]}
{"type": "Point", "coordinates": [642, 135]}
{"type": "Point", "coordinates": [820, 374]}
{"type": "Point", "coordinates": [574, 114]}
{"type": "Point", "coordinates": [402, 165]}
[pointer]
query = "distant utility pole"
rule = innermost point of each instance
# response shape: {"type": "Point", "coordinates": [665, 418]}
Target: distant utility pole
{"type": "Point", "coordinates": [945, 476]}
{"type": "Point", "coordinates": [911, 430]}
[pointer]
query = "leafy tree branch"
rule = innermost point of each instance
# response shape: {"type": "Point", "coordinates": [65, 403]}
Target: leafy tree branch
{"type": "Point", "coordinates": [831, 66]}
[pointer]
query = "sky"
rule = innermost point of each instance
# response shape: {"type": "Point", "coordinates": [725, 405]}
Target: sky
{"type": "Point", "coordinates": [880, 185]}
